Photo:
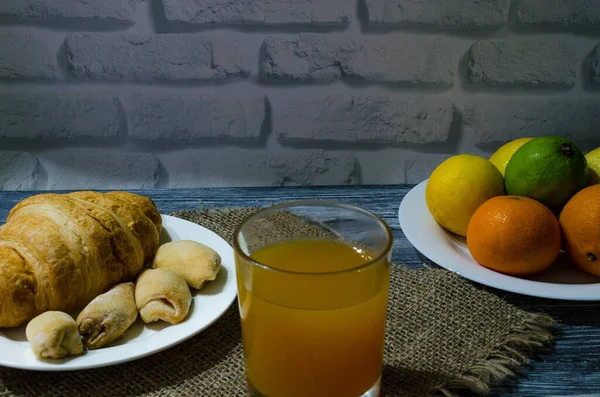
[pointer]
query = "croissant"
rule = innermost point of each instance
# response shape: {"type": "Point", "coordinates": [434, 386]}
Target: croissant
{"type": "Point", "coordinates": [108, 316]}
{"type": "Point", "coordinates": [54, 335]}
{"type": "Point", "coordinates": [196, 262]}
{"type": "Point", "coordinates": [162, 294]}
{"type": "Point", "coordinates": [60, 251]}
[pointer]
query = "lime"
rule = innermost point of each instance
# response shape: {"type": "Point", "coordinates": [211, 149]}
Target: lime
{"type": "Point", "coordinates": [593, 160]}
{"type": "Point", "coordinates": [549, 169]}
{"type": "Point", "coordinates": [501, 156]}
{"type": "Point", "coordinates": [458, 186]}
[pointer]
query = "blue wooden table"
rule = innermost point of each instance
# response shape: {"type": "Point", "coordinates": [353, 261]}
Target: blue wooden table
{"type": "Point", "coordinates": [571, 368]}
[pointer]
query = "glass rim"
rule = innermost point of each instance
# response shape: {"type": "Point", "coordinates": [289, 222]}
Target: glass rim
{"type": "Point", "coordinates": [323, 203]}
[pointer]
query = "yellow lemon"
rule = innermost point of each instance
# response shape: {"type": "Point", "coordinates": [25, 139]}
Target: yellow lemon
{"type": "Point", "coordinates": [593, 161]}
{"type": "Point", "coordinates": [501, 156]}
{"type": "Point", "coordinates": [458, 186]}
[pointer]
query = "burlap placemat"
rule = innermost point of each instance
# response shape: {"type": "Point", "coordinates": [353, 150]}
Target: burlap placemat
{"type": "Point", "coordinates": [443, 337]}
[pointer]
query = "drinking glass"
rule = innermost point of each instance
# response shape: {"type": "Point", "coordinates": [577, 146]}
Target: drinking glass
{"type": "Point", "coordinates": [313, 280]}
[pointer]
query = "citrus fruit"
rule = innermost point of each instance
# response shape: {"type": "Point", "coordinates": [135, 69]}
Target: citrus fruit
{"type": "Point", "coordinates": [548, 169]}
{"type": "Point", "coordinates": [501, 156]}
{"type": "Point", "coordinates": [593, 160]}
{"type": "Point", "coordinates": [458, 186]}
{"type": "Point", "coordinates": [514, 235]}
{"type": "Point", "coordinates": [580, 224]}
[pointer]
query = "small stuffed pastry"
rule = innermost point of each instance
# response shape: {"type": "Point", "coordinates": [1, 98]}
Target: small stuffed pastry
{"type": "Point", "coordinates": [196, 262]}
{"type": "Point", "coordinates": [162, 294]}
{"type": "Point", "coordinates": [108, 316]}
{"type": "Point", "coordinates": [54, 334]}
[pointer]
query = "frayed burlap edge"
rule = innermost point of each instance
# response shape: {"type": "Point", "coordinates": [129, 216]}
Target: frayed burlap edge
{"type": "Point", "coordinates": [505, 360]}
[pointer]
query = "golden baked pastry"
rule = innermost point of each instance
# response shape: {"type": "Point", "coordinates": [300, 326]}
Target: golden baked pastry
{"type": "Point", "coordinates": [108, 316]}
{"type": "Point", "coordinates": [196, 262]}
{"type": "Point", "coordinates": [60, 251]}
{"type": "Point", "coordinates": [162, 294]}
{"type": "Point", "coordinates": [54, 335]}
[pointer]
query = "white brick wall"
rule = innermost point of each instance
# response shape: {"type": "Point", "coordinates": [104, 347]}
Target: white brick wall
{"type": "Point", "coordinates": [168, 93]}
{"type": "Point", "coordinates": [267, 12]}
{"type": "Point", "coordinates": [455, 13]}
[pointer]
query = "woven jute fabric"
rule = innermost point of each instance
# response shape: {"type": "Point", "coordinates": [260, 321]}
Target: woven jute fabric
{"type": "Point", "coordinates": [444, 336]}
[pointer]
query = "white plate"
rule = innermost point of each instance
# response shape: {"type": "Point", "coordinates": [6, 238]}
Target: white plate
{"type": "Point", "coordinates": [142, 339]}
{"type": "Point", "coordinates": [450, 251]}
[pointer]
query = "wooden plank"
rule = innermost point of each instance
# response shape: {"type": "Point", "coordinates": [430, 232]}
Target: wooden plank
{"type": "Point", "coordinates": [570, 368]}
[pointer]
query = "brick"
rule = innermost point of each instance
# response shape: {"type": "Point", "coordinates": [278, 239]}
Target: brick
{"type": "Point", "coordinates": [391, 166]}
{"type": "Point", "coordinates": [382, 166]}
{"type": "Point", "coordinates": [59, 115]}
{"type": "Point", "coordinates": [212, 167]}
{"type": "Point", "coordinates": [167, 57]}
{"type": "Point", "coordinates": [368, 118]}
{"type": "Point", "coordinates": [111, 10]}
{"type": "Point", "coordinates": [100, 169]}
{"type": "Point", "coordinates": [419, 167]}
{"type": "Point", "coordinates": [260, 12]}
{"type": "Point", "coordinates": [217, 167]}
{"type": "Point", "coordinates": [18, 171]}
{"type": "Point", "coordinates": [25, 56]}
{"type": "Point", "coordinates": [522, 62]}
{"type": "Point", "coordinates": [595, 72]}
{"type": "Point", "coordinates": [313, 167]}
{"type": "Point", "coordinates": [177, 117]}
{"type": "Point", "coordinates": [387, 59]}
{"type": "Point", "coordinates": [504, 119]}
{"type": "Point", "coordinates": [569, 13]}
{"type": "Point", "coordinates": [456, 13]}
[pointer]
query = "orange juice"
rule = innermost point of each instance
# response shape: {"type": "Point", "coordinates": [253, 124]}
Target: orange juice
{"type": "Point", "coordinates": [317, 327]}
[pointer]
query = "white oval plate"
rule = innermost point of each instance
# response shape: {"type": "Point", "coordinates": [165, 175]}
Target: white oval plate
{"type": "Point", "coordinates": [560, 281]}
{"type": "Point", "coordinates": [141, 339]}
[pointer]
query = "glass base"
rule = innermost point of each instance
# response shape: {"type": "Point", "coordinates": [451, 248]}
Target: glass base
{"type": "Point", "coordinates": [372, 392]}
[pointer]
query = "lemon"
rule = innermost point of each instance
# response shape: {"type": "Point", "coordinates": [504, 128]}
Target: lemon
{"type": "Point", "coordinates": [458, 186]}
{"type": "Point", "coordinates": [548, 169]}
{"type": "Point", "coordinates": [593, 160]}
{"type": "Point", "coordinates": [501, 156]}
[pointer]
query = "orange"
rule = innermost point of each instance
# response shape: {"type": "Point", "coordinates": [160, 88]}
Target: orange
{"type": "Point", "coordinates": [514, 235]}
{"type": "Point", "coordinates": [580, 223]}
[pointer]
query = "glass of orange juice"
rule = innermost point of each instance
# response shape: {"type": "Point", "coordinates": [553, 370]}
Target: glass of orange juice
{"type": "Point", "coordinates": [313, 280]}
